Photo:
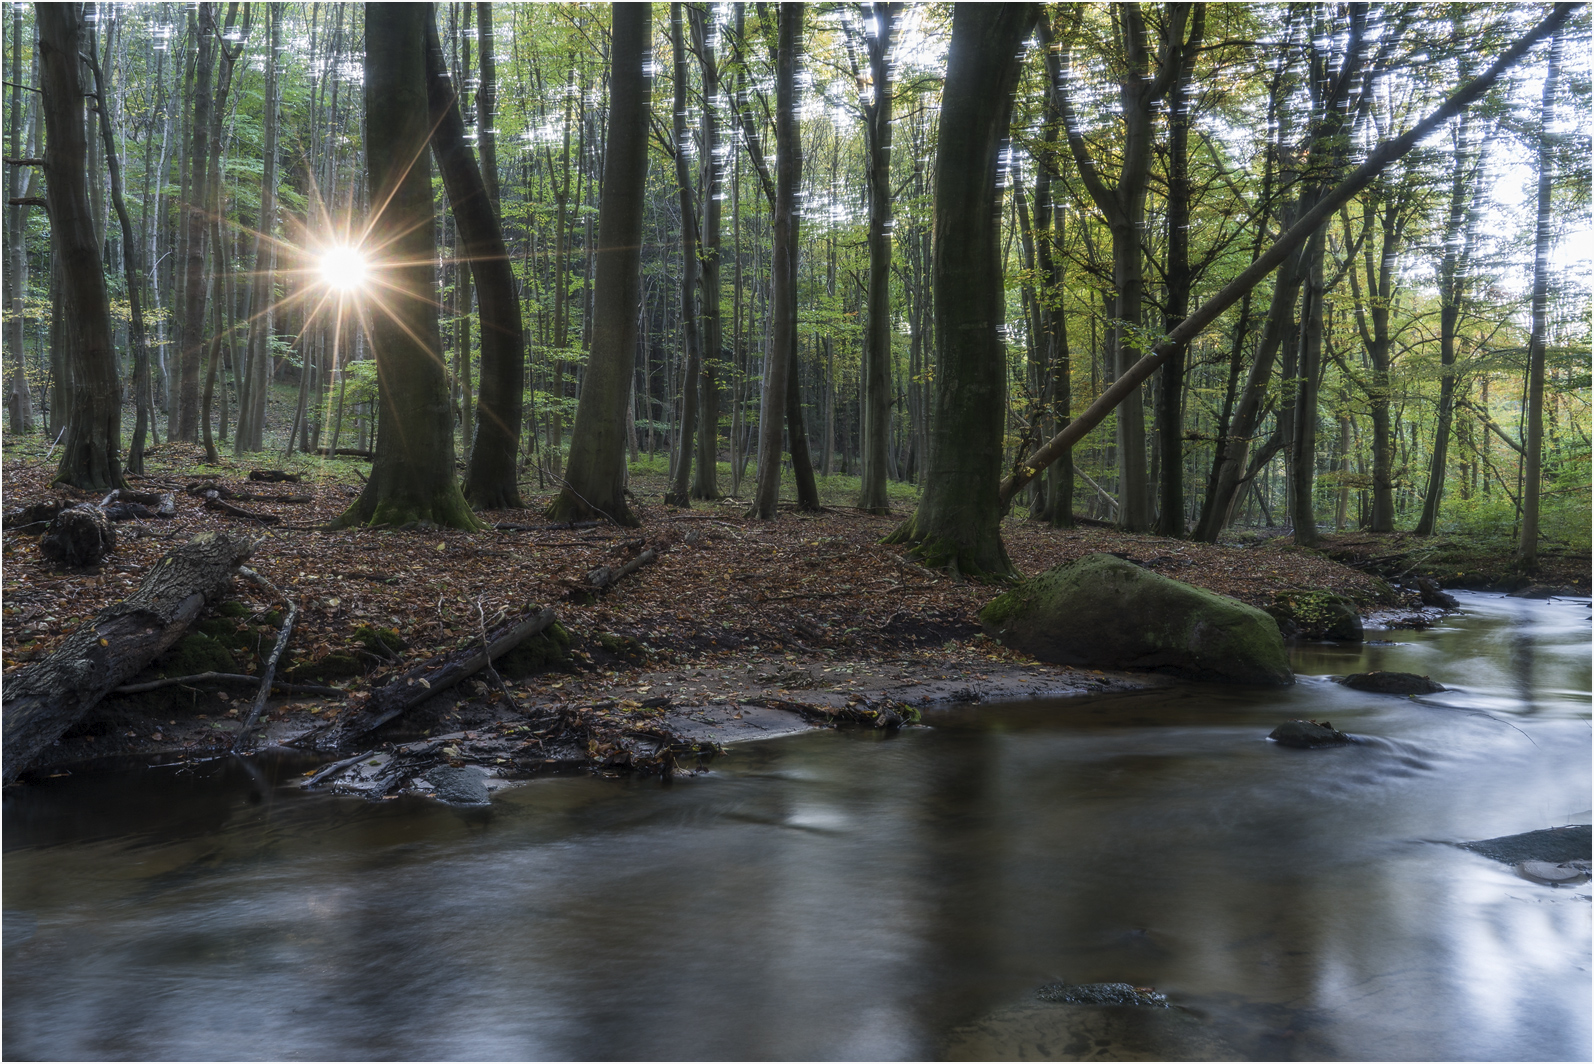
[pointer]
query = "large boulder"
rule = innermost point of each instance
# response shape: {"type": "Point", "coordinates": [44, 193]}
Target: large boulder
{"type": "Point", "coordinates": [1105, 612]}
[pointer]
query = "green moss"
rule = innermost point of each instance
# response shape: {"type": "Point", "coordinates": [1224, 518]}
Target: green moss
{"type": "Point", "coordinates": [335, 666]}
{"type": "Point", "coordinates": [195, 653]}
{"type": "Point", "coordinates": [377, 639]}
{"type": "Point", "coordinates": [233, 608]}
{"type": "Point", "coordinates": [546, 651]}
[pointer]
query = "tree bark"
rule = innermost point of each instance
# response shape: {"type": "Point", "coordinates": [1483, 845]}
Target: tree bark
{"type": "Point", "coordinates": [44, 699]}
{"type": "Point", "coordinates": [782, 350]}
{"type": "Point", "coordinates": [706, 485]}
{"type": "Point", "coordinates": [1533, 434]}
{"type": "Point", "coordinates": [250, 435]}
{"type": "Point", "coordinates": [89, 456]}
{"type": "Point", "coordinates": [191, 346]}
{"type": "Point", "coordinates": [957, 523]}
{"type": "Point", "coordinates": [490, 477]}
{"type": "Point", "coordinates": [595, 481]}
{"type": "Point", "coordinates": [872, 496]}
{"type": "Point", "coordinates": [680, 493]}
{"type": "Point", "coordinates": [412, 476]}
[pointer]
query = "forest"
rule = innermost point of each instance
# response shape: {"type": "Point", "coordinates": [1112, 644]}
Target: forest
{"type": "Point", "coordinates": [796, 530]}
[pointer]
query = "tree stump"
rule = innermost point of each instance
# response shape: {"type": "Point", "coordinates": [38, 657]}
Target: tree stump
{"type": "Point", "coordinates": [46, 698]}
{"type": "Point", "coordinates": [78, 537]}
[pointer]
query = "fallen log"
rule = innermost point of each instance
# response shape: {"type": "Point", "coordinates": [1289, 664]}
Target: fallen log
{"type": "Point", "coordinates": [78, 537]}
{"type": "Point", "coordinates": [606, 576]}
{"type": "Point", "coordinates": [43, 700]}
{"type": "Point", "coordinates": [228, 677]}
{"type": "Point", "coordinates": [345, 452]}
{"type": "Point", "coordinates": [213, 501]}
{"type": "Point", "coordinates": [274, 476]}
{"type": "Point", "coordinates": [439, 674]}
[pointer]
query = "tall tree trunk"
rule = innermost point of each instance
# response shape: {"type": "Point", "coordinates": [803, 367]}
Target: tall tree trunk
{"type": "Point", "coordinates": [19, 399]}
{"type": "Point", "coordinates": [487, 107]}
{"type": "Point", "coordinates": [412, 476]}
{"type": "Point", "coordinates": [131, 266]}
{"type": "Point", "coordinates": [782, 349]}
{"type": "Point", "coordinates": [252, 404]}
{"type": "Point", "coordinates": [1533, 431]}
{"type": "Point", "coordinates": [490, 477]}
{"type": "Point", "coordinates": [595, 482]}
{"type": "Point", "coordinates": [680, 493]}
{"type": "Point", "coordinates": [706, 485]}
{"type": "Point", "coordinates": [191, 346]}
{"type": "Point", "coordinates": [89, 456]}
{"type": "Point", "coordinates": [1170, 416]}
{"type": "Point", "coordinates": [957, 523]}
{"type": "Point", "coordinates": [1460, 236]}
{"type": "Point", "coordinates": [872, 496]}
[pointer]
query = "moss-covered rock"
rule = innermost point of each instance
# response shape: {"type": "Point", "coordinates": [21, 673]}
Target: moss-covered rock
{"type": "Point", "coordinates": [1105, 612]}
{"type": "Point", "coordinates": [334, 666]}
{"type": "Point", "coordinates": [546, 651]}
{"type": "Point", "coordinates": [379, 640]}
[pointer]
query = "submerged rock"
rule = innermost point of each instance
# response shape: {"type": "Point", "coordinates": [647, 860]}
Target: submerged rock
{"type": "Point", "coordinates": [461, 785]}
{"type": "Point", "coordinates": [1550, 845]}
{"type": "Point", "coordinates": [1102, 994]}
{"type": "Point", "coordinates": [1565, 872]}
{"type": "Point", "coordinates": [1308, 734]}
{"type": "Point", "coordinates": [1104, 612]}
{"type": "Point", "coordinates": [1392, 683]}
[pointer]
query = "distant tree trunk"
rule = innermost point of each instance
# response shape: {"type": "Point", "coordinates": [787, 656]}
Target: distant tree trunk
{"type": "Point", "coordinates": [191, 346]}
{"type": "Point", "coordinates": [872, 496]}
{"type": "Point", "coordinates": [680, 493]}
{"type": "Point", "coordinates": [1303, 452]}
{"type": "Point", "coordinates": [782, 351]}
{"type": "Point", "coordinates": [595, 481]}
{"type": "Point", "coordinates": [89, 455]}
{"type": "Point", "coordinates": [490, 477]}
{"type": "Point", "coordinates": [802, 462]}
{"type": "Point", "coordinates": [412, 476]}
{"type": "Point", "coordinates": [19, 398]}
{"type": "Point", "coordinates": [706, 485]}
{"type": "Point", "coordinates": [257, 379]}
{"type": "Point", "coordinates": [958, 522]}
{"type": "Point", "coordinates": [1533, 435]}
{"type": "Point", "coordinates": [1460, 236]}
{"type": "Point", "coordinates": [487, 108]}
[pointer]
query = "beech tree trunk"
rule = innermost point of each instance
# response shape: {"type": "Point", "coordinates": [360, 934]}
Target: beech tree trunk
{"type": "Point", "coordinates": [595, 479]}
{"type": "Point", "coordinates": [1533, 430]}
{"type": "Point", "coordinates": [872, 496]}
{"type": "Point", "coordinates": [490, 476]}
{"type": "Point", "coordinates": [957, 523]}
{"type": "Point", "coordinates": [706, 484]}
{"type": "Point", "coordinates": [46, 698]}
{"type": "Point", "coordinates": [680, 493]}
{"type": "Point", "coordinates": [412, 475]}
{"type": "Point", "coordinates": [90, 456]}
{"type": "Point", "coordinates": [782, 350]}
{"type": "Point", "coordinates": [256, 381]}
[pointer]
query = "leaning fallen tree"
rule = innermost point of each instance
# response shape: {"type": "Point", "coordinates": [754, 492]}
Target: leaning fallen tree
{"type": "Point", "coordinates": [43, 700]}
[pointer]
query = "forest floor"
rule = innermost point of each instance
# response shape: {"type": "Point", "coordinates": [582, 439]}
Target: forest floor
{"type": "Point", "coordinates": [809, 611]}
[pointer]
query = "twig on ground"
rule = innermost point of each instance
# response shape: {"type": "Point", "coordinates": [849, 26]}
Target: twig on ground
{"type": "Point", "coordinates": [271, 662]}
{"type": "Point", "coordinates": [226, 677]}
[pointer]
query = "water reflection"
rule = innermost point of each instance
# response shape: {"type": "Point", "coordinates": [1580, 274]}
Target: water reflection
{"type": "Point", "coordinates": [847, 895]}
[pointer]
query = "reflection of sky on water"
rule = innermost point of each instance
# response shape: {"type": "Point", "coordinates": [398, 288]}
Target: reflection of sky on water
{"type": "Point", "coordinates": [844, 895]}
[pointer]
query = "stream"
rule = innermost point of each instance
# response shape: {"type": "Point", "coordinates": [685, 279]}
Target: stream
{"type": "Point", "coordinates": [855, 895]}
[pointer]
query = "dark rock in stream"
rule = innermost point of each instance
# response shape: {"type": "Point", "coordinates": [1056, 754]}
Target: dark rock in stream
{"type": "Point", "coordinates": [460, 785]}
{"type": "Point", "coordinates": [1432, 595]}
{"type": "Point", "coordinates": [1548, 845]}
{"type": "Point", "coordinates": [1102, 994]}
{"type": "Point", "coordinates": [1392, 683]}
{"type": "Point", "coordinates": [1308, 734]}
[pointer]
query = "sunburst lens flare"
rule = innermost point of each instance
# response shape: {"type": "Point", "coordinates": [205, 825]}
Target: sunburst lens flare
{"type": "Point", "coordinates": [344, 268]}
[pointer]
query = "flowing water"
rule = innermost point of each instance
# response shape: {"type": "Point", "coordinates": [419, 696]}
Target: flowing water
{"type": "Point", "coordinates": [852, 895]}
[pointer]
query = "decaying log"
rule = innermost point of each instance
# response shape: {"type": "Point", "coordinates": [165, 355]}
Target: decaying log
{"type": "Point", "coordinates": [432, 677]}
{"type": "Point", "coordinates": [124, 504]}
{"type": "Point", "coordinates": [346, 452]}
{"type": "Point", "coordinates": [46, 698]}
{"type": "Point", "coordinates": [606, 576]}
{"type": "Point", "coordinates": [227, 677]}
{"type": "Point", "coordinates": [34, 517]}
{"type": "Point", "coordinates": [78, 536]}
{"type": "Point", "coordinates": [213, 501]}
{"type": "Point", "coordinates": [274, 476]}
